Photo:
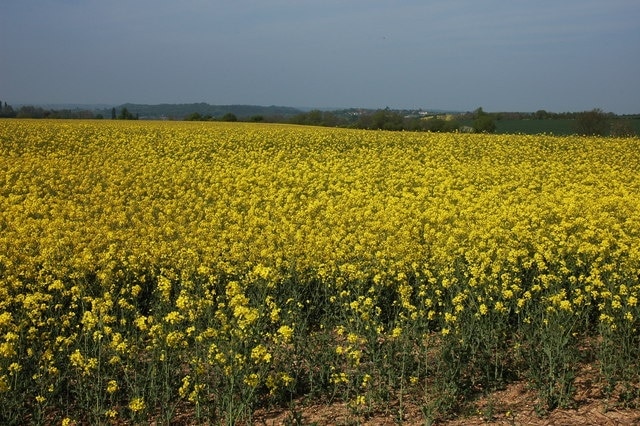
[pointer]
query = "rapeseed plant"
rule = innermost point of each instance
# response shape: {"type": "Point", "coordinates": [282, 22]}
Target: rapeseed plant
{"type": "Point", "coordinates": [221, 266]}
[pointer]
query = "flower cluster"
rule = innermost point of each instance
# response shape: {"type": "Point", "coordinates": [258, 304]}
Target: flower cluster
{"type": "Point", "coordinates": [142, 263]}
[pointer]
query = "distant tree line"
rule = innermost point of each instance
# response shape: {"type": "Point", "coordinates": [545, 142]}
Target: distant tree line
{"type": "Point", "coordinates": [29, 111]}
{"type": "Point", "coordinates": [594, 122]}
{"type": "Point", "coordinates": [387, 119]}
{"type": "Point", "coordinates": [125, 114]}
{"type": "Point", "coordinates": [591, 123]}
{"type": "Point", "coordinates": [599, 123]}
{"type": "Point", "coordinates": [6, 111]}
{"type": "Point", "coordinates": [205, 112]}
{"type": "Point", "coordinates": [382, 119]}
{"type": "Point", "coordinates": [229, 116]}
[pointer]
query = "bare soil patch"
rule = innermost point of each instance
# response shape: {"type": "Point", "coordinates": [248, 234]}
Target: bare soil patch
{"type": "Point", "coordinates": [514, 405]}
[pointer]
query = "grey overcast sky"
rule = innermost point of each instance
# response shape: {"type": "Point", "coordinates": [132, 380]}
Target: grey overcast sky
{"type": "Point", "coordinates": [503, 55]}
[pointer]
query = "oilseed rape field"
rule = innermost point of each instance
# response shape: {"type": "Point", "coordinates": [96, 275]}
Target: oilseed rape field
{"type": "Point", "coordinates": [155, 270]}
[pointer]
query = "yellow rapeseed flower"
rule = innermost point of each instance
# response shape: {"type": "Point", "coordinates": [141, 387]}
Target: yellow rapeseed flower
{"type": "Point", "coordinates": [137, 404]}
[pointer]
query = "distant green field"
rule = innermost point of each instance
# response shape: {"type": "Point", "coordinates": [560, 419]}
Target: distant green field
{"type": "Point", "coordinates": [549, 126]}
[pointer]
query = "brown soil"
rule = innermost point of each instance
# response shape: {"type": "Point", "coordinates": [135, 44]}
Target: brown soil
{"type": "Point", "coordinates": [515, 405]}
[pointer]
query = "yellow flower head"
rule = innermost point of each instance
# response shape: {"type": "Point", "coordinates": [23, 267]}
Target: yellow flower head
{"type": "Point", "coordinates": [286, 332]}
{"type": "Point", "coordinates": [112, 386]}
{"type": "Point", "coordinates": [137, 404]}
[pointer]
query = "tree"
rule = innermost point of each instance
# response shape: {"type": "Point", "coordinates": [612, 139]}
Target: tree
{"type": "Point", "coordinates": [6, 110]}
{"type": "Point", "coordinates": [541, 114]}
{"type": "Point", "coordinates": [229, 117]}
{"type": "Point", "coordinates": [29, 111]}
{"type": "Point", "coordinates": [592, 123]}
{"type": "Point", "coordinates": [126, 115]}
{"type": "Point", "coordinates": [385, 119]}
{"type": "Point", "coordinates": [329, 119]}
{"type": "Point", "coordinates": [483, 123]}
{"type": "Point", "coordinates": [314, 118]}
{"type": "Point", "coordinates": [113, 113]}
{"type": "Point", "coordinates": [435, 125]}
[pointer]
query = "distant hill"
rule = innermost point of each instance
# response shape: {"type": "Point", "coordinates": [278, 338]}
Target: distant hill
{"type": "Point", "coordinates": [72, 107]}
{"type": "Point", "coordinates": [180, 111]}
